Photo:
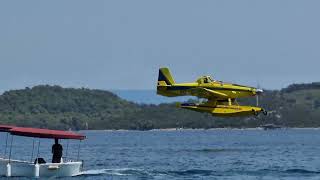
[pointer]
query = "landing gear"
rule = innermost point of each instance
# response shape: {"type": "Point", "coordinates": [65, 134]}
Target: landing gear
{"type": "Point", "coordinates": [264, 112]}
{"type": "Point", "coordinates": [255, 112]}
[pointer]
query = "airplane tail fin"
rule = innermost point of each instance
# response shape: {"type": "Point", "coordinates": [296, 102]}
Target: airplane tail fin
{"type": "Point", "coordinates": [165, 77]}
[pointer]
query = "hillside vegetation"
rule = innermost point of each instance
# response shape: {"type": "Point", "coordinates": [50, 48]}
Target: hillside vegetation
{"type": "Point", "coordinates": [64, 108]}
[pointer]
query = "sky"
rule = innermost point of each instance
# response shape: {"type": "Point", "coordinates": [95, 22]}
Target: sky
{"type": "Point", "coordinates": [120, 44]}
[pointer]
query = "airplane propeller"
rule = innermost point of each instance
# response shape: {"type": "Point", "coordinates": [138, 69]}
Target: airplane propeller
{"type": "Point", "coordinates": [259, 91]}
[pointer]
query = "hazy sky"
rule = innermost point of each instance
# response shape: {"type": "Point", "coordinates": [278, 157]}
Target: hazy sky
{"type": "Point", "coordinates": [121, 44]}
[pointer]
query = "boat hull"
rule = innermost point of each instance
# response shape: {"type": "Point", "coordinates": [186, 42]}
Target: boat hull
{"type": "Point", "coordinates": [27, 169]}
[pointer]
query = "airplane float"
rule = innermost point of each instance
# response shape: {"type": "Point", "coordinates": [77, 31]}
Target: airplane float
{"type": "Point", "coordinates": [221, 97]}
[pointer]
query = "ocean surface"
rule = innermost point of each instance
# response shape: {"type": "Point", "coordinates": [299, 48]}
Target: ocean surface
{"type": "Point", "coordinates": [188, 154]}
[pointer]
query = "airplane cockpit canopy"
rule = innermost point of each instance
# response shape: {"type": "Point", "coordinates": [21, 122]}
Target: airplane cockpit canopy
{"type": "Point", "coordinates": [205, 79]}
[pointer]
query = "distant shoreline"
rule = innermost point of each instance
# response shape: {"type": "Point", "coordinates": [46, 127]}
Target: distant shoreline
{"type": "Point", "coordinates": [201, 129]}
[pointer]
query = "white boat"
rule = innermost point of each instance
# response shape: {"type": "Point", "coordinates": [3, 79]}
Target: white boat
{"type": "Point", "coordinates": [10, 167]}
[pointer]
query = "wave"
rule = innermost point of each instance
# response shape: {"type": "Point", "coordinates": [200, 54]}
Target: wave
{"type": "Point", "coordinates": [274, 172]}
{"type": "Point", "coordinates": [208, 150]}
{"type": "Point", "coordinates": [302, 171]}
{"type": "Point", "coordinates": [140, 173]}
{"type": "Point", "coordinates": [260, 172]}
{"type": "Point", "coordinates": [192, 172]}
{"type": "Point", "coordinates": [114, 172]}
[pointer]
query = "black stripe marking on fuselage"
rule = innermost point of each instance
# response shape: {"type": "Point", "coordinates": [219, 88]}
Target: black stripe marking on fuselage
{"type": "Point", "coordinates": [179, 88]}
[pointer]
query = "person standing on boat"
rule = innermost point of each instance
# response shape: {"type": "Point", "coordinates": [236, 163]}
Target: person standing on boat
{"type": "Point", "coordinates": [56, 151]}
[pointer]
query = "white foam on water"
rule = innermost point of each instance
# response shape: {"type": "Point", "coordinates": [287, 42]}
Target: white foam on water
{"type": "Point", "coordinates": [116, 172]}
{"type": "Point", "coordinates": [93, 172]}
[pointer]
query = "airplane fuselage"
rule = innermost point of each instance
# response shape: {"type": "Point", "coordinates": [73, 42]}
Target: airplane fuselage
{"type": "Point", "coordinates": [187, 89]}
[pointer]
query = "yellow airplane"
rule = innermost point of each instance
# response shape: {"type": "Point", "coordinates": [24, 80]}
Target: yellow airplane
{"type": "Point", "coordinates": [221, 96]}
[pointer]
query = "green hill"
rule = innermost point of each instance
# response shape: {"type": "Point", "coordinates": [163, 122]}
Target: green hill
{"type": "Point", "coordinates": [63, 108]}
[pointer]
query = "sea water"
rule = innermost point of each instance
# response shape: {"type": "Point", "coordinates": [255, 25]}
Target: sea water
{"type": "Point", "coordinates": [186, 154]}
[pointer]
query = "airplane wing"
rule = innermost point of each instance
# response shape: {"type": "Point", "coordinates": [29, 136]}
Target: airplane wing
{"type": "Point", "coordinates": [208, 93]}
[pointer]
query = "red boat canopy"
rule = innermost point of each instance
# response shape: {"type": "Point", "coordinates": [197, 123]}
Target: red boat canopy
{"type": "Point", "coordinates": [5, 128]}
{"type": "Point", "coordinates": [41, 133]}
